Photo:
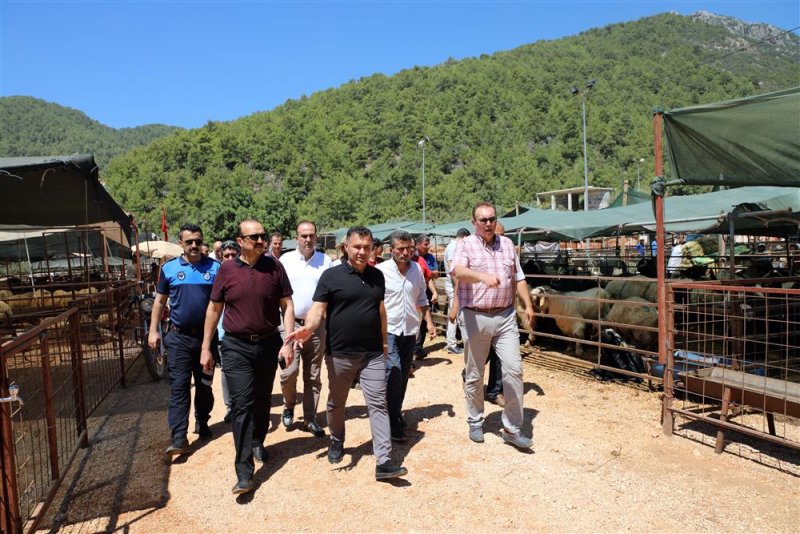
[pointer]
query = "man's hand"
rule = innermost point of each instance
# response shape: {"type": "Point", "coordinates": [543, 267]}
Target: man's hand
{"type": "Point", "coordinates": [432, 333]}
{"type": "Point", "coordinates": [287, 352]}
{"type": "Point", "coordinates": [299, 335]}
{"type": "Point", "coordinates": [452, 314]}
{"type": "Point", "coordinates": [529, 316]}
{"type": "Point", "coordinates": [153, 339]}
{"type": "Point", "coordinates": [490, 280]}
{"type": "Point", "coordinates": [207, 359]}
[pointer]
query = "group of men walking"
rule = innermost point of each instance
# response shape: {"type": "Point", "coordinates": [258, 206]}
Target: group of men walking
{"type": "Point", "coordinates": [365, 321]}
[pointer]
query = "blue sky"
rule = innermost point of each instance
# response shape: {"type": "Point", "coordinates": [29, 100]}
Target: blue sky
{"type": "Point", "coordinates": [127, 63]}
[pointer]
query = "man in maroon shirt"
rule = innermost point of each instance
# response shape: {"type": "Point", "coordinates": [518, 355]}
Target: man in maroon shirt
{"type": "Point", "coordinates": [252, 289]}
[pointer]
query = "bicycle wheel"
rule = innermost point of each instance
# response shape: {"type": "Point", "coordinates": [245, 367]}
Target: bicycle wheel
{"type": "Point", "coordinates": [155, 360]}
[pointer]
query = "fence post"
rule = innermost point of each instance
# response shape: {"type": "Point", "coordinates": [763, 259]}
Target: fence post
{"type": "Point", "coordinates": [667, 417]}
{"type": "Point", "coordinates": [50, 416]}
{"type": "Point", "coordinates": [114, 317]}
{"type": "Point", "coordinates": [10, 520]}
{"type": "Point", "coordinates": [79, 390]}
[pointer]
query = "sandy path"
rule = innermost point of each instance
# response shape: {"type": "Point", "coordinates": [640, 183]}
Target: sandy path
{"type": "Point", "coordinates": [600, 463]}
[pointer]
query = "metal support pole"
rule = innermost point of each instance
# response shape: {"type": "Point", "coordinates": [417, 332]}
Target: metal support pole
{"type": "Point", "coordinates": [585, 159]}
{"type": "Point", "coordinates": [49, 410]}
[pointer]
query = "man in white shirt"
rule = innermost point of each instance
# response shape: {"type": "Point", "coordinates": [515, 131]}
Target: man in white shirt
{"type": "Point", "coordinates": [449, 289]}
{"type": "Point", "coordinates": [304, 266]}
{"type": "Point", "coordinates": [404, 299]}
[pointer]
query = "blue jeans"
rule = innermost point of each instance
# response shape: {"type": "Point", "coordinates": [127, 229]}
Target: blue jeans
{"type": "Point", "coordinates": [398, 366]}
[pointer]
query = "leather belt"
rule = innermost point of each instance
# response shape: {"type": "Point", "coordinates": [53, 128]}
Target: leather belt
{"type": "Point", "coordinates": [489, 311]}
{"type": "Point", "coordinates": [301, 322]}
{"type": "Point", "coordinates": [253, 338]}
{"type": "Point", "coordinates": [185, 331]}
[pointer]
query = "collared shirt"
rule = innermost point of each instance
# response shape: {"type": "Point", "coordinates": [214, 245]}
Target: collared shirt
{"type": "Point", "coordinates": [498, 258]}
{"type": "Point", "coordinates": [189, 288]}
{"type": "Point", "coordinates": [252, 295]}
{"type": "Point", "coordinates": [304, 276]}
{"type": "Point", "coordinates": [404, 295]}
{"type": "Point", "coordinates": [353, 315]}
{"type": "Point", "coordinates": [423, 265]}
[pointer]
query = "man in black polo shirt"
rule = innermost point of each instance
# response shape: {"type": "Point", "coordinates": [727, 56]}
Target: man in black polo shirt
{"type": "Point", "coordinates": [252, 289]}
{"type": "Point", "coordinates": [352, 296]}
{"type": "Point", "coordinates": [186, 281]}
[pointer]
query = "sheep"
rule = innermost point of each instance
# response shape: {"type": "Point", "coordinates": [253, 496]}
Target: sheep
{"type": "Point", "coordinates": [629, 313]}
{"type": "Point", "coordinates": [5, 311]}
{"type": "Point", "coordinates": [617, 357]}
{"type": "Point", "coordinates": [570, 309]}
{"type": "Point", "coordinates": [634, 286]}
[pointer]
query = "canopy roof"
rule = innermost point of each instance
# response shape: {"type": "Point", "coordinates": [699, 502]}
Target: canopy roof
{"type": "Point", "coordinates": [56, 192]}
{"type": "Point", "coordinates": [749, 141]}
{"type": "Point", "coordinates": [704, 213]}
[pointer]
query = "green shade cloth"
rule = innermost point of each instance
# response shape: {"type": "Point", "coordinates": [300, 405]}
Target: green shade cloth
{"type": "Point", "coordinates": [749, 141]}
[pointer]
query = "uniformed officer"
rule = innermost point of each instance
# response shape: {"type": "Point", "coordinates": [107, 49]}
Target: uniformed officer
{"type": "Point", "coordinates": [187, 281]}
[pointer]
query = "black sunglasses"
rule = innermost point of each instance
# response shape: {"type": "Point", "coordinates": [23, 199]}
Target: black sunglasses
{"type": "Point", "coordinates": [197, 242]}
{"type": "Point", "coordinates": [484, 220]}
{"type": "Point", "coordinates": [229, 255]}
{"type": "Point", "coordinates": [256, 237]}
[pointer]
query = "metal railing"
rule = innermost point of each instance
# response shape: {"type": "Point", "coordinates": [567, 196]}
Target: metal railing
{"type": "Point", "coordinates": [62, 368]}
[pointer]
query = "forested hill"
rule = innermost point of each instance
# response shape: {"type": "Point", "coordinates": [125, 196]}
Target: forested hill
{"type": "Point", "coordinates": [501, 127]}
{"type": "Point", "coordinates": [33, 127]}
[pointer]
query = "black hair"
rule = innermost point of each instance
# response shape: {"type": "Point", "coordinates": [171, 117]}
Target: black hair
{"type": "Point", "coordinates": [399, 235]}
{"type": "Point", "coordinates": [191, 228]}
{"type": "Point", "coordinates": [361, 231]}
{"type": "Point", "coordinates": [463, 232]}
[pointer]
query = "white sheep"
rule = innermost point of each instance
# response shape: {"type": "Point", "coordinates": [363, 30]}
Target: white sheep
{"type": "Point", "coordinates": [571, 309]}
{"type": "Point", "coordinates": [5, 311]}
{"type": "Point", "coordinates": [631, 313]}
{"type": "Point", "coordinates": [633, 286]}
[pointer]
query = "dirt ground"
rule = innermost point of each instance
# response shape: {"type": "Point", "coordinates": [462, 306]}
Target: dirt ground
{"type": "Point", "coordinates": [600, 463]}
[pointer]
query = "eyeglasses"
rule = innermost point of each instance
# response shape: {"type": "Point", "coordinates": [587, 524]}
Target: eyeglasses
{"type": "Point", "coordinates": [256, 237]}
{"type": "Point", "coordinates": [229, 255]}
{"type": "Point", "coordinates": [197, 242]}
{"type": "Point", "coordinates": [484, 220]}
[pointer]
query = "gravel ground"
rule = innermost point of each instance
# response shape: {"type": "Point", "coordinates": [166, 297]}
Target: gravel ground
{"type": "Point", "coordinates": [600, 463]}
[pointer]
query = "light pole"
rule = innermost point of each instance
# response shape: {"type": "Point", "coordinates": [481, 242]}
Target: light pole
{"type": "Point", "coordinates": [577, 92]}
{"type": "Point", "coordinates": [638, 169]}
{"type": "Point", "coordinates": [422, 142]}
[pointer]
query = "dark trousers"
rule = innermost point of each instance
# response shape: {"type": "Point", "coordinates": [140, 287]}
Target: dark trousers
{"type": "Point", "coordinates": [494, 384]}
{"type": "Point", "coordinates": [183, 363]}
{"type": "Point", "coordinates": [423, 328]}
{"type": "Point", "coordinates": [398, 366]}
{"type": "Point", "coordinates": [249, 368]}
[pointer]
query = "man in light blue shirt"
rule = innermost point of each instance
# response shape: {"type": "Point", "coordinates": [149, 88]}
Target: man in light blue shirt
{"type": "Point", "coordinates": [449, 289]}
{"type": "Point", "coordinates": [404, 299]}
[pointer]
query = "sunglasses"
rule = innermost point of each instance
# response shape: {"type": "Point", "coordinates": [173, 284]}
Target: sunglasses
{"type": "Point", "coordinates": [229, 255]}
{"type": "Point", "coordinates": [255, 237]}
{"type": "Point", "coordinates": [484, 220]}
{"type": "Point", "coordinates": [197, 242]}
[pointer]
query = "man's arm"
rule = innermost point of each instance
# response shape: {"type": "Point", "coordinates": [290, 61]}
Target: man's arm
{"type": "Point", "coordinates": [213, 313]}
{"type": "Point", "coordinates": [434, 292]}
{"type": "Point", "coordinates": [525, 297]}
{"type": "Point", "coordinates": [467, 275]}
{"type": "Point", "coordinates": [426, 313]}
{"type": "Point", "coordinates": [287, 306]}
{"type": "Point", "coordinates": [385, 331]}
{"type": "Point", "coordinates": [313, 320]}
{"type": "Point", "coordinates": [153, 336]}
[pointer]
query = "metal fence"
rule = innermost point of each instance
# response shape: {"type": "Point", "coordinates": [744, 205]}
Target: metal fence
{"type": "Point", "coordinates": [734, 361]}
{"type": "Point", "coordinates": [63, 366]}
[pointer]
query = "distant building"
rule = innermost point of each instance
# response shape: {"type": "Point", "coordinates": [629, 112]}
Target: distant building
{"type": "Point", "coordinates": [571, 199]}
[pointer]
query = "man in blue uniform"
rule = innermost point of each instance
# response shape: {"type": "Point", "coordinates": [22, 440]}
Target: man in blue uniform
{"type": "Point", "coordinates": [187, 282]}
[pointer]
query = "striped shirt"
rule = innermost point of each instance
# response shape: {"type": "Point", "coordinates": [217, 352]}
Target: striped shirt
{"type": "Point", "coordinates": [497, 258]}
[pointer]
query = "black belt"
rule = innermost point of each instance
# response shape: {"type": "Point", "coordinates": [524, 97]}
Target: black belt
{"type": "Point", "coordinates": [253, 338]}
{"type": "Point", "coordinates": [301, 322]}
{"type": "Point", "coordinates": [187, 331]}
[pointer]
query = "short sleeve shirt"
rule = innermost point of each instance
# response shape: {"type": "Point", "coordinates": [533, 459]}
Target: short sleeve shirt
{"type": "Point", "coordinates": [353, 311]}
{"type": "Point", "coordinates": [423, 265]}
{"type": "Point", "coordinates": [189, 288]}
{"type": "Point", "coordinates": [252, 295]}
{"type": "Point", "coordinates": [498, 258]}
{"type": "Point", "coordinates": [304, 276]}
{"type": "Point", "coordinates": [405, 294]}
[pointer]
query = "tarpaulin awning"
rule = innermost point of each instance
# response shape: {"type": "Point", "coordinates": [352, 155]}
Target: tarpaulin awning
{"type": "Point", "coordinates": [56, 192]}
{"type": "Point", "coordinates": [749, 141]}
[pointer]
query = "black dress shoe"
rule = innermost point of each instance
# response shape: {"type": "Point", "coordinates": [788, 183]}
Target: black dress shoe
{"type": "Point", "coordinates": [315, 429]}
{"type": "Point", "coordinates": [178, 446]}
{"type": "Point", "coordinates": [387, 470]}
{"type": "Point", "coordinates": [243, 486]}
{"type": "Point", "coordinates": [260, 454]}
{"type": "Point", "coordinates": [287, 418]}
{"type": "Point", "coordinates": [398, 434]}
{"type": "Point", "coordinates": [335, 451]}
{"type": "Point", "coordinates": [202, 430]}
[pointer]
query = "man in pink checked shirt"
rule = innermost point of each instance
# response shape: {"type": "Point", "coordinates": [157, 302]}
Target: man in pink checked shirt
{"type": "Point", "coordinates": [489, 274]}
